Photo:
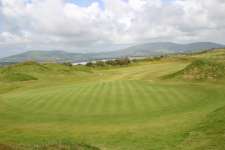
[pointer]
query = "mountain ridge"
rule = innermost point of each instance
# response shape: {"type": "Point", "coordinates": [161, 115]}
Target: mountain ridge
{"type": "Point", "coordinates": [146, 49]}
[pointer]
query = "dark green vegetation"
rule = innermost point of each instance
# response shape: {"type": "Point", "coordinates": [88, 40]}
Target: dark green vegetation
{"type": "Point", "coordinates": [116, 107]}
{"type": "Point", "coordinates": [116, 62]}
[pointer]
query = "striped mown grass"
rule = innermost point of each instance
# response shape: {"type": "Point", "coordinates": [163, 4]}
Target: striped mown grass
{"type": "Point", "coordinates": [102, 98]}
{"type": "Point", "coordinates": [124, 114]}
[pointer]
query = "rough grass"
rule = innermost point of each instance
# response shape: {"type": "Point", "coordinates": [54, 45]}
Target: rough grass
{"type": "Point", "coordinates": [201, 70]}
{"type": "Point", "coordinates": [25, 67]}
{"type": "Point", "coordinates": [209, 134]}
{"type": "Point", "coordinates": [17, 77]}
{"type": "Point", "coordinates": [57, 146]}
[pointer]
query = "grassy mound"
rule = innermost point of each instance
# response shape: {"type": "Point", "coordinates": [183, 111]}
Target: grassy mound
{"type": "Point", "coordinates": [17, 77]}
{"type": "Point", "coordinates": [33, 67]}
{"type": "Point", "coordinates": [29, 66]}
{"type": "Point", "coordinates": [201, 70]}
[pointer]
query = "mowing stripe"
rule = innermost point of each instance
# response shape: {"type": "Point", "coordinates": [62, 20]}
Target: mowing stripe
{"type": "Point", "coordinates": [70, 98]}
{"type": "Point", "coordinates": [77, 99]}
{"type": "Point", "coordinates": [178, 96]}
{"type": "Point", "coordinates": [27, 101]}
{"type": "Point", "coordinates": [61, 101]}
{"type": "Point", "coordinates": [145, 97]}
{"type": "Point", "coordinates": [106, 98]}
{"type": "Point", "coordinates": [138, 96]}
{"type": "Point", "coordinates": [131, 97]}
{"type": "Point", "coordinates": [84, 98]}
{"type": "Point", "coordinates": [102, 99]}
{"type": "Point", "coordinates": [39, 101]}
{"type": "Point", "coordinates": [90, 106]}
{"type": "Point", "coordinates": [95, 99]}
{"type": "Point", "coordinates": [50, 103]}
{"type": "Point", "coordinates": [99, 101]}
{"type": "Point", "coordinates": [112, 96]}
{"type": "Point", "coordinates": [115, 97]}
{"type": "Point", "coordinates": [166, 97]}
{"type": "Point", "coordinates": [121, 98]}
{"type": "Point", "coordinates": [155, 96]}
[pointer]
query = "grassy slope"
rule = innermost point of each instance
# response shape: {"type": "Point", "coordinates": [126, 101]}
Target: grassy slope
{"type": "Point", "coordinates": [201, 70]}
{"type": "Point", "coordinates": [114, 108]}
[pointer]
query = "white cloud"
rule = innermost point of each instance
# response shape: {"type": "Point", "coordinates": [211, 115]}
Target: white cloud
{"type": "Point", "coordinates": [61, 24]}
{"type": "Point", "coordinates": [9, 38]}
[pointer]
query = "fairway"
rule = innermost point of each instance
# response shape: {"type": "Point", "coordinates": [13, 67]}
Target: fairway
{"type": "Point", "coordinates": [112, 74]}
{"type": "Point", "coordinates": [124, 108]}
{"type": "Point", "coordinates": [113, 98]}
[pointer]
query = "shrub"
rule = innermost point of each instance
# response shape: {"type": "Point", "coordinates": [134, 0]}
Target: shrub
{"type": "Point", "coordinates": [120, 62]}
{"type": "Point", "coordinates": [67, 64]}
{"type": "Point", "coordinates": [100, 63]}
{"type": "Point", "coordinates": [90, 64]}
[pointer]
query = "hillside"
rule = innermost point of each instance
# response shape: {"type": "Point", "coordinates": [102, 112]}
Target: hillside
{"type": "Point", "coordinates": [154, 49]}
{"type": "Point", "coordinates": [44, 56]}
{"type": "Point", "coordinates": [206, 65]}
{"type": "Point", "coordinates": [201, 70]}
{"type": "Point", "coordinates": [31, 70]}
{"type": "Point", "coordinates": [149, 49]}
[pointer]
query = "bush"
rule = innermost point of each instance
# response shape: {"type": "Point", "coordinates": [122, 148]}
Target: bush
{"type": "Point", "coordinates": [100, 63]}
{"type": "Point", "coordinates": [117, 62]}
{"type": "Point", "coordinates": [156, 58]}
{"type": "Point", "coordinates": [67, 64]}
{"type": "Point", "coordinates": [90, 64]}
{"type": "Point", "coordinates": [120, 62]}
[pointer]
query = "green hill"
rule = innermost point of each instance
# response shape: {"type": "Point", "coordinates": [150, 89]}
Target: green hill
{"type": "Point", "coordinates": [31, 70]}
{"type": "Point", "coordinates": [21, 72]}
{"type": "Point", "coordinates": [201, 70]}
{"type": "Point", "coordinates": [25, 67]}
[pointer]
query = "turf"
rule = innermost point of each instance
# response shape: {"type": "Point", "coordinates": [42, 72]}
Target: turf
{"type": "Point", "coordinates": [124, 108]}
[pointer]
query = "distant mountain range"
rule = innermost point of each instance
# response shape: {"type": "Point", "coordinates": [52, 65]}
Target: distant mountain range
{"type": "Point", "coordinates": [148, 49]}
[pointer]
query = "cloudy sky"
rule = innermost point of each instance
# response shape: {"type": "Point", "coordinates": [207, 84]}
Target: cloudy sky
{"type": "Point", "coordinates": [103, 25]}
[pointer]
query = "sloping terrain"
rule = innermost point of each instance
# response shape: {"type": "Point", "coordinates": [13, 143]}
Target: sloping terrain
{"type": "Point", "coordinates": [31, 70]}
{"type": "Point", "coordinates": [122, 108]}
{"type": "Point", "coordinates": [209, 134]}
{"type": "Point", "coordinates": [201, 70]}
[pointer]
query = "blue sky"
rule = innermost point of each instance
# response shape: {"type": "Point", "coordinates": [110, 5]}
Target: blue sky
{"type": "Point", "coordinates": [88, 2]}
{"type": "Point", "coordinates": [85, 3]}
